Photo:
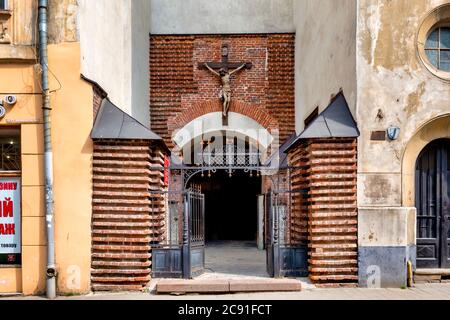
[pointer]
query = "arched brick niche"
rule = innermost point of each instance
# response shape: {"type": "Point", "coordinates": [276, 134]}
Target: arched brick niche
{"type": "Point", "coordinates": [180, 91]}
{"type": "Point", "coordinates": [202, 108]}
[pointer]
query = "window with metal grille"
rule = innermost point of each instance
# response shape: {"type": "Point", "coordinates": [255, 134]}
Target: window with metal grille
{"type": "Point", "coordinates": [437, 48]}
{"type": "Point", "coordinates": [10, 159]}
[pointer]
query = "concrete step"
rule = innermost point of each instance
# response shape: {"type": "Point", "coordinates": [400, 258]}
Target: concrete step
{"type": "Point", "coordinates": [431, 275]}
{"type": "Point", "coordinates": [166, 286]}
{"type": "Point", "coordinates": [441, 272]}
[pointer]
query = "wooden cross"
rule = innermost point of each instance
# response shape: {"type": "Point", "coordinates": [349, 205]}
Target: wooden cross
{"type": "Point", "coordinates": [225, 70]}
{"type": "Point", "coordinates": [225, 65]}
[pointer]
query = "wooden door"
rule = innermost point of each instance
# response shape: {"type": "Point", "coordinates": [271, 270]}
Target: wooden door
{"type": "Point", "coordinates": [433, 205]}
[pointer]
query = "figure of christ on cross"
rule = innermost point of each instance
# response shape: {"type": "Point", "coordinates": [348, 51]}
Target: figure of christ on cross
{"type": "Point", "coordinates": [226, 86]}
{"type": "Point", "coordinates": [224, 70]}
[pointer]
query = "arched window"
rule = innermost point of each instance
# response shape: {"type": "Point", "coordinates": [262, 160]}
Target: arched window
{"type": "Point", "coordinates": [437, 48]}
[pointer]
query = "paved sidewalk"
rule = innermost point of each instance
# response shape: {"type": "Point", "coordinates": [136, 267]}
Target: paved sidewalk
{"type": "Point", "coordinates": [234, 259]}
{"type": "Point", "coordinates": [420, 292]}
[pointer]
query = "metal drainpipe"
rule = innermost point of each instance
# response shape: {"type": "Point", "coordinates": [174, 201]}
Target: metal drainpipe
{"type": "Point", "coordinates": [48, 166]}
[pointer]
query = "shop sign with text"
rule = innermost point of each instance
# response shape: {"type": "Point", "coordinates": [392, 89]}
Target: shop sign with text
{"type": "Point", "coordinates": [10, 218]}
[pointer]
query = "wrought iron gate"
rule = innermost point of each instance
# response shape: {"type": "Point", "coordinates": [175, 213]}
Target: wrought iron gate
{"type": "Point", "coordinates": [286, 257]}
{"type": "Point", "coordinates": [181, 252]}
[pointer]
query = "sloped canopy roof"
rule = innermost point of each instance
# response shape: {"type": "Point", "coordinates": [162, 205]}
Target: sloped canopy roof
{"type": "Point", "coordinates": [113, 123]}
{"type": "Point", "coordinates": [336, 121]}
{"type": "Point", "coordinates": [279, 158]}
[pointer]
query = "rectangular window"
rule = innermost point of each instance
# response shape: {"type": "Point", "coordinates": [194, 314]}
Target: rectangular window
{"type": "Point", "coordinates": [10, 197]}
{"type": "Point", "coordinates": [3, 4]}
{"type": "Point", "coordinates": [10, 159]}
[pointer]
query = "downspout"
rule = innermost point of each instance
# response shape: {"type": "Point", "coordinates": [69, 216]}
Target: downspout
{"type": "Point", "coordinates": [48, 161]}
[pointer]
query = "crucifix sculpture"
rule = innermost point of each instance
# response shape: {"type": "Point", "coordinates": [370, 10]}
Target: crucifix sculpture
{"type": "Point", "coordinates": [224, 70]}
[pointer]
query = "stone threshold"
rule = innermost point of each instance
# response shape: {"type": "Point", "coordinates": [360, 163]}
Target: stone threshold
{"type": "Point", "coordinates": [441, 272]}
{"type": "Point", "coordinates": [431, 275]}
{"type": "Point", "coordinates": [166, 286]}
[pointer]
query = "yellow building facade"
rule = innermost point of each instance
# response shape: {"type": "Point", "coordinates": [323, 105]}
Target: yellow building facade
{"type": "Point", "coordinates": [72, 118]}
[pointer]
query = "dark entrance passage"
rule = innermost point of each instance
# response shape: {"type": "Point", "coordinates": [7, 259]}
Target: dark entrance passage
{"type": "Point", "coordinates": [433, 205]}
{"type": "Point", "coordinates": [231, 224]}
{"type": "Point", "coordinates": [230, 205]}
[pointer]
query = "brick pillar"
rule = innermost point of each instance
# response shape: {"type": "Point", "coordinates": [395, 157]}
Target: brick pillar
{"type": "Point", "coordinates": [299, 182]}
{"type": "Point", "coordinates": [330, 176]}
{"type": "Point", "coordinates": [123, 225]}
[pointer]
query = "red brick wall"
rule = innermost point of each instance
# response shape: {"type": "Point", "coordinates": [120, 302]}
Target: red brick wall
{"type": "Point", "coordinates": [123, 222]}
{"type": "Point", "coordinates": [329, 216]}
{"type": "Point", "coordinates": [180, 92]}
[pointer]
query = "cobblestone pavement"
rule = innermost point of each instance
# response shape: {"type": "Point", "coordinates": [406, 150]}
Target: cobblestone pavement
{"type": "Point", "coordinates": [420, 292]}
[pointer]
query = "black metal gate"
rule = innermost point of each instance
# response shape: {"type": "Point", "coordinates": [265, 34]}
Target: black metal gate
{"type": "Point", "coordinates": [181, 252]}
{"type": "Point", "coordinates": [433, 205]}
{"type": "Point", "coordinates": [285, 257]}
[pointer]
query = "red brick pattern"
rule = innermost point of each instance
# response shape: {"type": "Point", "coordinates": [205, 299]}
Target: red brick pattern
{"type": "Point", "coordinates": [202, 108]}
{"type": "Point", "coordinates": [299, 181]}
{"type": "Point", "coordinates": [180, 92]}
{"type": "Point", "coordinates": [123, 225]}
{"type": "Point", "coordinates": [330, 210]}
{"type": "Point", "coordinates": [99, 95]}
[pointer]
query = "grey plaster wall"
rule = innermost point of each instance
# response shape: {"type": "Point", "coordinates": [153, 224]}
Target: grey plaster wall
{"type": "Point", "coordinates": [140, 57]}
{"type": "Point", "coordinates": [114, 40]}
{"type": "Point", "coordinates": [325, 54]}
{"type": "Point", "coordinates": [221, 16]}
{"type": "Point", "coordinates": [384, 267]}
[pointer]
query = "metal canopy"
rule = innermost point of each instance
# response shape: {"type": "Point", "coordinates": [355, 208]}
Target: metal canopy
{"type": "Point", "coordinates": [281, 153]}
{"type": "Point", "coordinates": [113, 123]}
{"type": "Point", "coordinates": [336, 121]}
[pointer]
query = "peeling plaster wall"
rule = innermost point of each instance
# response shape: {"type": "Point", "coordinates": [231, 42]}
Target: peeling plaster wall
{"type": "Point", "coordinates": [114, 38]}
{"type": "Point", "coordinates": [392, 79]}
{"type": "Point", "coordinates": [395, 85]}
{"type": "Point", "coordinates": [63, 18]}
{"type": "Point", "coordinates": [325, 54]}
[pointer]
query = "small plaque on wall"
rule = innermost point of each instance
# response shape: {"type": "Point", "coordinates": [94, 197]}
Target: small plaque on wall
{"type": "Point", "coordinates": [378, 136]}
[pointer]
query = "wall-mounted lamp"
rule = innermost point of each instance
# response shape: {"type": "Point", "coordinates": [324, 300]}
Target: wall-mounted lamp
{"type": "Point", "coordinates": [2, 110]}
{"type": "Point", "coordinates": [393, 133]}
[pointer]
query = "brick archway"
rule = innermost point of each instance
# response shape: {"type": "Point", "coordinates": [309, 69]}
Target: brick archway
{"type": "Point", "coordinates": [202, 108]}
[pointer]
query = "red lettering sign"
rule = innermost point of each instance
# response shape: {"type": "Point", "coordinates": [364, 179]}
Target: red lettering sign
{"type": "Point", "coordinates": [7, 229]}
{"type": "Point", "coordinates": [10, 228]}
{"type": "Point", "coordinates": [8, 186]}
{"type": "Point", "coordinates": [7, 207]}
{"type": "Point", "coordinates": [166, 171]}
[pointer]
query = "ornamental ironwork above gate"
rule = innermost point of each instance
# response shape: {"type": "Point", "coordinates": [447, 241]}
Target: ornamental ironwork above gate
{"type": "Point", "coordinates": [230, 156]}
